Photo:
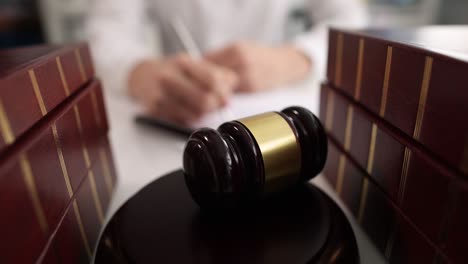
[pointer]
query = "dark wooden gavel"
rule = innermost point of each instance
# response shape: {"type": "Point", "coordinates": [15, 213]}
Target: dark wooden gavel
{"type": "Point", "coordinates": [250, 158]}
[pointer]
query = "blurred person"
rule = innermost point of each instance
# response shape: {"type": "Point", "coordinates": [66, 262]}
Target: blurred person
{"type": "Point", "coordinates": [243, 42]}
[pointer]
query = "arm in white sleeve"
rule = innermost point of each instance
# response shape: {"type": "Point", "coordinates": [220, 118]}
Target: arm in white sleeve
{"type": "Point", "coordinates": [115, 33]}
{"type": "Point", "coordinates": [325, 13]}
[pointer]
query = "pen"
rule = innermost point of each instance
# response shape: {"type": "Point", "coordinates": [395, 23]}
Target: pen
{"type": "Point", "coordinates": [190, 46]}
{"type": "Point", "coordinates": [192, 49]}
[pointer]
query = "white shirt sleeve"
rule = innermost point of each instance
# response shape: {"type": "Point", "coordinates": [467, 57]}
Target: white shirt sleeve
{"type": "Point", "coordinates": [115, 33]}
{"type": "Point", "coordinates": [325, 13]}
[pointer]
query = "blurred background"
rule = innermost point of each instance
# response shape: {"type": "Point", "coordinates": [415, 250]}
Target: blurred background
{"type": "Point", "coordinates": [24, 22]}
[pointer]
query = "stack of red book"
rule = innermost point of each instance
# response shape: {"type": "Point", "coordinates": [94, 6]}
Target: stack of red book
{"type": "Point", "coordinates": [56, 167]}
{"type": "Point", "coordinates": [395, 107]}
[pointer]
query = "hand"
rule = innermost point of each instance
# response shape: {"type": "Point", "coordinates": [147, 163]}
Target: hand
{"type": "Point", "coordinates": [261, 67]}
{"type": "Point", "coordinates": [181, 89]}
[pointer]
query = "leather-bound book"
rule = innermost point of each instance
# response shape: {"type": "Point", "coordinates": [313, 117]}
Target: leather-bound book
{"type": "Point", "coordinates": [386, 178]}
{"type": "Point", "coordinates": [427, 227]}
{"type": "Point", "coordinates": [414, 79]}
{"type": "Point", "coordinates": [395, 110]}
{"type": "Point", "coordinates": [26, 72]}
{"type": "Point", "coordinates": [393, 232]}
{"type": "Point", "coordinates": [56, 170]}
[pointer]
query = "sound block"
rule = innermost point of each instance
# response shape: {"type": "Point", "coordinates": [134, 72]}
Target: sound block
{"type": "Point", "coordinates": [162, 224]}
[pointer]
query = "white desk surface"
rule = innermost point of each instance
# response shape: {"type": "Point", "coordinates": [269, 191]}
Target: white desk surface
{"type": "Point", "coordinates": [143, 154]}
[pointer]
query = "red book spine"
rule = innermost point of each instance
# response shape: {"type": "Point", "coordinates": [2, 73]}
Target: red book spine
{"type": "Point", "coordinates": [56, 183]}
{"type": "Point", "coordinates": [368, 156]}
{"type": "Point", "coordinates": [351, 124]}
{"type": "Point", "coordinates": [68, 244]}
{"type": "Point", "coordinates": [420, 92]}
{"type": "Point", "coordinates": [396, 232]}
{"type": "Point", "coordinates": [52, 77]}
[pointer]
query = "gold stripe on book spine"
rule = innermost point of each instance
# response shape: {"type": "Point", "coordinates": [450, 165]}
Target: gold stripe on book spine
{"type": "Point", "coordinates": [62, 160]}
{"type": "Point", "coordinates": [97, 116]}
{"type": "Point", "coordinates": [347, 145]}
{"type": "Point", "coordinates": [341, 169]}
{"type": "Point", "coordinates": [81, 228]}
{"type": "Point", "coordinates": [86, 157]}
{"type": "Point", "coordinates": [80, 64]}
{"type": "Point", "coordinates": [357, 90]}
{"type": "Point", "coordinates": [339, 59]}
{"type": "Point", "coordinates": [62, 76]}
{"type": "Point", "coordinates": [330, 110]}
{"type": "Point", "coordinates": [7, 133]}
{"type": "Point", "coordinates": [106, 168]}
{"type": "Point", "coordinates": [80, 131]}
{"type": "Point", "coordinates": [388, 67]}
{"type": "Point", "coordinates": [28, 178]}
{"type": "Point", "coordinates": [97, 202]}
{"type": "Point", "coordinates": [363, 199]}
{"type": "Point", "coordinates": [365, 182]}
{"type": "Point", "coordinates": [349, 127]}
{"type": "Point", "coordinates": [423, 97]}
{"type": "Point", "coordinates": [404, 175]}
{"type": "Point", "coordinates": [370, 159]}
{"type": "Point", "coordinates": [78, 119]}
{"type": "Point", "coordinates": [37, 92]}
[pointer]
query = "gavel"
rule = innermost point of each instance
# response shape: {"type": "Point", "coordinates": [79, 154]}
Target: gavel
{"type": "Point", "coordinates": [246, 160]}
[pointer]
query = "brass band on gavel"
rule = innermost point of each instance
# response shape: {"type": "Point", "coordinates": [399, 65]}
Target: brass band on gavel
{"type": "Point", "coordinates": [249, 158]}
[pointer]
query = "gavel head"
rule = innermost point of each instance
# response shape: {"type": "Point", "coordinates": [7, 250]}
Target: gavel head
{"type": "Point", "coordinates": [249, 158]}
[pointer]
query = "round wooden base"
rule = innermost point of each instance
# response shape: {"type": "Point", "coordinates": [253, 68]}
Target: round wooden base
{"type": "Point", "coordinates": [162, 224]}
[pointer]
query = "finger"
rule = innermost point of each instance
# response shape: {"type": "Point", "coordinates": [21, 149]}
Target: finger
{"type": "Point", "coordinates": [224, 57]}
{"type": "Point", "coordinates": [150, 96]}
{"type": "Point", "coordinates": [232, 56]}
{"type": "Point", "coordinates": [181, 88]}
{"type": "Point", "coordinates": [188, 93]}
{"type": "Point", "coordinates": [171, 110]}
{"type": "Point", "coordinates": [213, 78]}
